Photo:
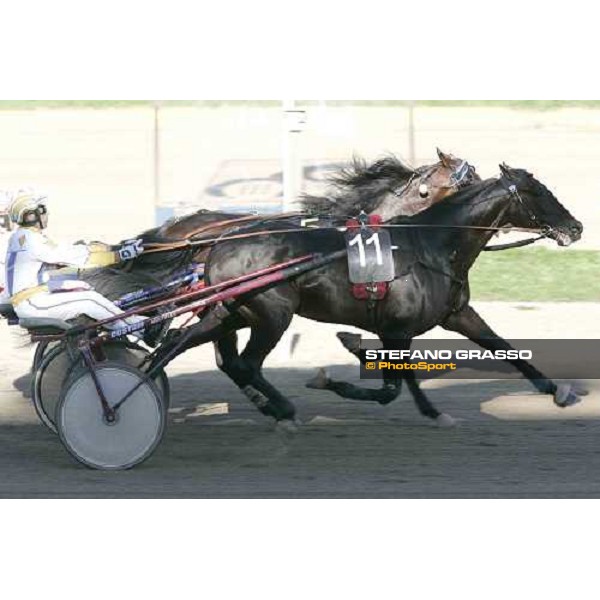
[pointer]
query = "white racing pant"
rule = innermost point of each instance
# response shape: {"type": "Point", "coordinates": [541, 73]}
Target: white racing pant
{"type": "Point", "coordinates": [68, 305]}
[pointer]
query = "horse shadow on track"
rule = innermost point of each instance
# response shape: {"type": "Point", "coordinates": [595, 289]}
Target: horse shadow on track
{"type": "Point", "coordinates": [460, 398]}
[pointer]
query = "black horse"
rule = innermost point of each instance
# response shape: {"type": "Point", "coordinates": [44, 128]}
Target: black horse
{"type": "Point", "coordinates": [386, 187]}
{"type": "Point", "coordinates": [432, 263]}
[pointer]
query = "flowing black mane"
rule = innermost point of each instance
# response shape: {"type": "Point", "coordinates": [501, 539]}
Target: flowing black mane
{"type": "Point", "coordinates": [360, 173]}
{"type": "Point", "coordinates": [359, 186]}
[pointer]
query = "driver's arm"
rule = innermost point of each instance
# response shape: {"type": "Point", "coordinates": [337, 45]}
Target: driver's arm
{"type": "Point", "coordinates": [81, 256]}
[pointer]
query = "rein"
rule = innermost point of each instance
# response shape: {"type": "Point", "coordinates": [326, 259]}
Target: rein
{"type": "Point", "coordinates": [233, 222]}
{"type": "Point", "coordinates": [519, 244]}
{"type": "Point", "coordinates": [543, 231]}
{"type": "Point", "coordinates": [165, 247]}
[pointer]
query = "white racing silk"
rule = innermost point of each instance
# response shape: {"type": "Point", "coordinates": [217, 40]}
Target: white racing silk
{"type": "Point", "coordinates": [30, 259]}
{"type": "Point", "coordinates": [30, 255]}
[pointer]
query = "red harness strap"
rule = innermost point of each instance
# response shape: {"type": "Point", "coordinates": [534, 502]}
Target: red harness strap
{"type": "Point", "coordinates": [370, 291]}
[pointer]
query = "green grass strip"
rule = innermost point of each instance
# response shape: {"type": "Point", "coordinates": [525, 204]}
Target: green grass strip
{"type": "Point", "coordinates": [537, 275]}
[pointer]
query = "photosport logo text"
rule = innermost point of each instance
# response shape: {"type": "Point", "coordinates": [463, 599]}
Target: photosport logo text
{"type": "Point", "coordinates": [474, 359]}
{"type": "Point", "coordinates": [418, 360]}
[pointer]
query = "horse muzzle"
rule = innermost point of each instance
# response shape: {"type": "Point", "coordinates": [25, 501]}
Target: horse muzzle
{"type": "Point", "coordinates": [565, 235]}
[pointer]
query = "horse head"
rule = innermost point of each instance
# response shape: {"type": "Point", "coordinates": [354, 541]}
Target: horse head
{"type": "Point", "coordinates": [429, 185]}
{"type": "Point", "coordinates": [535, 206]}
{"type": "Point", "coordinates": [390, 188]}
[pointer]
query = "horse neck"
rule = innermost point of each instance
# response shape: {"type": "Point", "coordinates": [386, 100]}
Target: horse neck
{"type": "Point", "coordinates": [406, 205]}
{"type": "Point", "coordinates": [389, 203]}
{"type": "Point", "coordinates": [487, 210]}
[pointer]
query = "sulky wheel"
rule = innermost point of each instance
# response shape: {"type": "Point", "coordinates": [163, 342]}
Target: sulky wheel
{"type": "Point", "coordinates": [48, 379]}
{"type": "Point", "coordinates": [40, 351]}
{"type": "Point", "coordinates": [58, 366]}
{"type": "Point", "coordinates": [138, 426]}
{"type": "Point", "coordinates": [134, 356]}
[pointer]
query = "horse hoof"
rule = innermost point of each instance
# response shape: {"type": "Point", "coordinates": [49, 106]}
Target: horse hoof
{"type": "Point", "coordinates": [565, 395]}
{"type": "Point", "coordinates": [350, 341]}
{"type": "Point", "coordinates": [579, 389]}
{"type": "Point", "coordinates": [288, 426]}
{"type": "Point", "coordinates": [445, 421]}
{"type": "Point", "coordinates": [319, 381]}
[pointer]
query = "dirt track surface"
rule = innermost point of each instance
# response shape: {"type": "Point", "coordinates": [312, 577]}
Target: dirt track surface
{"type": "Point", "coordinates": [508, 441]}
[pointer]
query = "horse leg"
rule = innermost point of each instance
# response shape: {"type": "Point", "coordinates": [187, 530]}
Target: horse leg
{"type": "Point", "coordinates": [268, 315]}
{"type": "Point", "coordinates": [387, 393]}
{"type": "Point", "coordinates": [424, 405]}
{"type": "Point", "coordinates": [228, 360]}
{"type": "Point", "coordinates": [247, 376]}
{"type": "Point", "coordinates": [467, 322]}
{"type": "Point", "coordinates": [348, 390]}
{"type": "Point", "coordinates": [214, 325]}
{"type": "Point", "coordinates": [391, 387]}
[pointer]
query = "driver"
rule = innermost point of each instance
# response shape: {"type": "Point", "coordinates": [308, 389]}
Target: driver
{"type": "Point", "coordinates": [31, 256]}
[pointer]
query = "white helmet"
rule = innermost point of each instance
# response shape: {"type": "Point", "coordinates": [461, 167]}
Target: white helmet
{"type": "Point", "coordinates": [26, 202]}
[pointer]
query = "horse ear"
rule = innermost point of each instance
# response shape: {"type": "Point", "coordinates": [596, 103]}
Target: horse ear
{"type": "Point", "coordinates": [444, 159]}
{"type": "Point", "coordinates": [505, 170]}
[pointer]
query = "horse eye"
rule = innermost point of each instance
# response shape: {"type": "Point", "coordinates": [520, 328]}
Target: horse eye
{"type": "Point", "coordinates": [423, 190]}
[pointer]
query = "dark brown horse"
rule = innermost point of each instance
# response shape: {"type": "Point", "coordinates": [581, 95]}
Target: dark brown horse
{"type": "Point", "coordinates": [386, 187]}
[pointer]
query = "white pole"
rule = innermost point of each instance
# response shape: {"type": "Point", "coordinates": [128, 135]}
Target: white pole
{"type": "Point", "coordinates": [293, 124]}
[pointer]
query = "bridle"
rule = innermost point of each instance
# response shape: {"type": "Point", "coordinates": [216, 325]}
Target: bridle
{"type": "Point", "coordinates": [461, 177]}
{"type": "Point", "coordinates": [419, 172]}
{"type": "Point", "coordinates": [398, 192]}
{"type": "Point", "coordinates": [545, 230]}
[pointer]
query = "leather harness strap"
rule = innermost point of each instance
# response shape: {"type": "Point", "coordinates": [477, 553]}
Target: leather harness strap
{"type": "Point", "coordinates": [219, 225]}
{"type": "Point", "coordinates": [233, 222]}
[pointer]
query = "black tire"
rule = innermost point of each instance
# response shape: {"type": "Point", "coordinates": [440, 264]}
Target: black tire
{"type": "Point", "coordinates": [47, 383]}
{"type": "Point", "coordinates": [40, 351]}
{"type": "Point", "coordinates": [137, 430]}
{"type": "Point", "coordinates": [57, 367]}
